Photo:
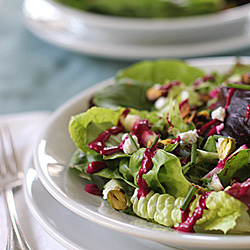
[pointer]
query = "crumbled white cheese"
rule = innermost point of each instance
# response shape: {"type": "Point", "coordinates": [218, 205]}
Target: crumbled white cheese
{"type": "Point", "coordinates": [161, 102]}
{"type": "Point", "coordinates": [188, 137]}
{"type": "Point", "coordinates": [157, 86]}
{"type": "Point", "coordinates": [215, 183]}
{"type": "Point", "coordinates": [219, 114]}
{"type": "Point", "coordinates": [184, 95]}
{"type": "Point", "coordinates": [111, 185]}
{"type": "Point", "coordinates": [128, 146]}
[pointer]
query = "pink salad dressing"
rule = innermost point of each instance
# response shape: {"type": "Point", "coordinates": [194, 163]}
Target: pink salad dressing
{"type": "Point", "coordinates": [207, 126]}
{"type": "Point", "coordinates": [188, 222]}
{"type": "Point", "coordinates": [229, 96]}
{"type": "Point", "coordinates": [165, 88]}
{"type": "Point", "coordinates": [146, 165]}
{"type": "Point", "coordinates": [204, 79]}
{"type": "Point", "coordinates": [93, 189]}
{"type": "Point", "coordinates": [95, 166]}
{"type": "Point", "coordinates": [140, 129]}
{"type": "Point", "coordinates": [98, 144]}
{"type": "Point", "coordinates": [247, 114]}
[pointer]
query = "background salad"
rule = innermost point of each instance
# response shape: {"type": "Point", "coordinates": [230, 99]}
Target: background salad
{"type": "Point", "coordinates": [170, 145]}
{"type": "Point", "coordinates": [153, 9]}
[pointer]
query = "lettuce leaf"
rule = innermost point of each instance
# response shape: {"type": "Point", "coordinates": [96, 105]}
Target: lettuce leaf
{"type": "Point", "coordinates": [165, 176]}
{"type": "Point", "coordinates": [161, 70]}
{"type": "Point", "coordinates": [233, 164]}
{"type": "Point", "coordinates": [224, 213]}
{"type": "Point", "coordinates": [125, 93]}
{"type": "Point", "coordinates": [85, 127]}
{"type": "Point", "coordinates": [174, 116]}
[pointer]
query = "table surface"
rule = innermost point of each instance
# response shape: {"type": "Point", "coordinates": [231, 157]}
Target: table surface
{"type": "Point", "coordinates": [37, 76]}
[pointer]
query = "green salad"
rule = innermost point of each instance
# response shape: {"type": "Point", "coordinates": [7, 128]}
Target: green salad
{"type": "Point", "coordinates": [170, 144]}
{"type": "Point", "coordinates": [152, 8]}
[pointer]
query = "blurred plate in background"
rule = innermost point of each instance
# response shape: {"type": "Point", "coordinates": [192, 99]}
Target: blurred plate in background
{"type": "Point", "coordinates": [133, 38]}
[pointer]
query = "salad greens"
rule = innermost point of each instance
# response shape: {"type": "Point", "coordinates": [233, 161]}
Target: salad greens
{"type": "Point", "coordinates": [152, 9]}
{"type": "Point", "coordinates": [170, 144]}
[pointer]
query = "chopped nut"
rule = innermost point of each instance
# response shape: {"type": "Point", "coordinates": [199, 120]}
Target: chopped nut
{"type": "Point", "coordinates": [149, 144]}
{"type": "Point", "coordinates": [185, 110]}
{"type": "Point", "coordinates": [227, 146]}
{"type": "Point", "coordinates": [199, 124]}
{"type": "Point", "coordinates": [204, 113]}
{"type": "Point", "coordinates": [234, 180]}
{"type": "Point", "coordinates": [153, 94]}
{"type": "Point", "coordinates": [201, 190]}
{"type": "Point", "coordinates": [190, 119]}
{"type": "Point", "coordinates": [160, 144]}
{"type": "Point", "coordinates": [166, 141]}
{"type": "Point", "coordinates": [246, 78]}
{"type": "Point", "coordinates": [117, 199]}
{"type": "Point", "coordinates": [204, 97]}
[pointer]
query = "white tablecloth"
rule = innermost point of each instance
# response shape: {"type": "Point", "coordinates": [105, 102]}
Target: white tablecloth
{"type": "Point", "coordinates": [25, 128]}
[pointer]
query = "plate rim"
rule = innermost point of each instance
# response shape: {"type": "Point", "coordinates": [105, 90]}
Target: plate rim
{"type": "Point", "coordinates": [186, 238]}
{"type": "Point", "coordinates": [131, 51]}
{"type": "Point", "coordinates": [126, 23]}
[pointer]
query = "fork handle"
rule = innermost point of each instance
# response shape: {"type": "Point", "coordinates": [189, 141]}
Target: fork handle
{"type": "Point", "coordinates": [14, 226]}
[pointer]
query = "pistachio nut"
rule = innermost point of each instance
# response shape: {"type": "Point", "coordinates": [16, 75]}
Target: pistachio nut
{"type": "Point", "coordinates": [117, 198]}
{"type": "Point", "coordinates": [227, 146]}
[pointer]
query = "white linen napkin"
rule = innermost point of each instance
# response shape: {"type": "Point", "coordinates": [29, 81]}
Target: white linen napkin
{"type": "Point", "coordinates": [25, 129]}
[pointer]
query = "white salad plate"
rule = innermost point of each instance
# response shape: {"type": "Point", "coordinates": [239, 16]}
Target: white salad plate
{"type": "Point", "coordinates": [51, 158]}
{"type": "Point", "coordinates": [71, 230]}
{"type": "Point", "coordinates": [131, 39]}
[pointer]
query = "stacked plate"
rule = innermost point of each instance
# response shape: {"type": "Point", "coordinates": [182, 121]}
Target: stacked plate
{"type": "Point", "coordinates": [138, 38]}
{"type": "Point", "coordinates": [60, 204]}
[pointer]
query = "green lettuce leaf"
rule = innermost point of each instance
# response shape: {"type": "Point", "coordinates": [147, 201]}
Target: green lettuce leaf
{"type": "Point", "coordinates": [161, 70]}
{"type": "Point", "coordinates": [224, 213]}
{"type": "Point", "coordinates": [85, 127]}
{"type": "Point", "coordinates": [165, 176]}
{"type": "Point", "coordinates": [210, 145]}
{"type": "Point", "coordinates": [179, 125]}
{"type": "Point", "coordinates": [233, 165]}
{"type": "Point", "coordinates": [125, 93]}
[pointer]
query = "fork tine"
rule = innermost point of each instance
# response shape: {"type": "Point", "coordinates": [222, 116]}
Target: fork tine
{"type": "Point", "coordinates": [15, 164]}
{"type": "Point", "coordinates": [2, 165]}
{"type": "Point", "coordinates": [8, 167]}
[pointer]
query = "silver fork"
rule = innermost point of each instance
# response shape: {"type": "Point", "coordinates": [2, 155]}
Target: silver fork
{"type": "Point", "coordinates": [11, 178]}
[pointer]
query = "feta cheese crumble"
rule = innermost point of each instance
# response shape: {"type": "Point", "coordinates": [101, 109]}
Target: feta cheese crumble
{"type": "Point", "coordinates": [157, 86]}
{"type": "Point", "coordinates": [161, 102]}
{"type": "Point", "coordinates": [219, 114]}
{"type": "Point", "coordinates": [128, 146]}
{"type": "Point", "coordinates": [184, 95]}
{"type": "Point", "coordinates": [188, 137]}
{"type": "Point", "coordinates": [111, 185]}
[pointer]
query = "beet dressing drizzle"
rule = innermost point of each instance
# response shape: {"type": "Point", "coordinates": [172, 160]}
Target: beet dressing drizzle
{"type": "Point", "coordinates": [99, 146]}
{"type": "Point", "coordinates": [214, 123]}
{"type": "Point", "coordinates": [146, 165]}
{"type": "Point", "coordinates": [187, 223]}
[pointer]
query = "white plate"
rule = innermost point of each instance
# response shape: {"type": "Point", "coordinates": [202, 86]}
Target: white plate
{"type": "Point", "coordinates": [55, 149]}
{"type": "Point", "coordinates": [51, 25]}
{"type": "Point", "coordinates": [166, 30]}
{"type": "Point", "coordinates": [72, 231]}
